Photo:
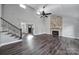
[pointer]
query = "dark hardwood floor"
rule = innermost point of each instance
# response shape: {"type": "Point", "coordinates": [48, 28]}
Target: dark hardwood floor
{"type": "Point", "coordinates": [44, 44]}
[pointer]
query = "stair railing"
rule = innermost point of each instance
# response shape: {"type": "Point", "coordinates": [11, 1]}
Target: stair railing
{"type": "Point", "coordinates": [9, 27]}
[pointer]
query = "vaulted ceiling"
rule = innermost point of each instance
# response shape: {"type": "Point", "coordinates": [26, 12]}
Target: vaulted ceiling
{"type": "Point", "coordinates": [58, 9]}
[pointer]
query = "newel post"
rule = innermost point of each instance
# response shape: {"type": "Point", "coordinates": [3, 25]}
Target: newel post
{"type": "Point", "coordinates": [20, 33]}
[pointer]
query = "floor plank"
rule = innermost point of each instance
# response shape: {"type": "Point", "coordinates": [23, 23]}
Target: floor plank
{"type": "Point", "coordinates": [44, 44]}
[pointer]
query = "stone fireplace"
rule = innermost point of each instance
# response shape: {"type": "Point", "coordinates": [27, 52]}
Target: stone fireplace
{"type": "Point", "coordinates": [55, 31]}
{"type": "Point", "coordinates": [56, 25]}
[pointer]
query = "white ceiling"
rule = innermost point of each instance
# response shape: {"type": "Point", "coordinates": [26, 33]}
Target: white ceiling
{"type": "Point", "coordinates": [58, 9]}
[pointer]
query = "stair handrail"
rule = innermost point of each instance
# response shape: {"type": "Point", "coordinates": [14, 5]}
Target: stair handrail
{"type": "Point", "coordinates": [13, 26]}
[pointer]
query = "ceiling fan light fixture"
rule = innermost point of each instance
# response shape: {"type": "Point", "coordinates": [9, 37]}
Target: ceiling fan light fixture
{"type": "Point", "coordinates": [38, 12]}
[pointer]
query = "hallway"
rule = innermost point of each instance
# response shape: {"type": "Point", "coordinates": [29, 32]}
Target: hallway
{"type": "Point", "coordinates": [43, 44]}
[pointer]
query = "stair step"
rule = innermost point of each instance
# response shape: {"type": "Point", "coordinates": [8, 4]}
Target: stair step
{"type": "Point", "coordinates": [12, 35]}
{"type": "Point", "coordinates": [4, 38]}
{"type": "Point", "coordinates": [9, 33]}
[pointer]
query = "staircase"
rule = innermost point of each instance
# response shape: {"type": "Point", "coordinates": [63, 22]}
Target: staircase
{"type": "Point", "coordinates": [10, 33]}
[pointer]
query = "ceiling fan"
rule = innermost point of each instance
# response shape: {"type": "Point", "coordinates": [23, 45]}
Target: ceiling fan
{"type": "Point", "coordinates": [43, 13]}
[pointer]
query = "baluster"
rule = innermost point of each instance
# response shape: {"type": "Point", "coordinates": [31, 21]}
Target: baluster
{"type": "Point", "coordinates": [7, 25]}
{"type": "Point", "coordinates": [3, 26]}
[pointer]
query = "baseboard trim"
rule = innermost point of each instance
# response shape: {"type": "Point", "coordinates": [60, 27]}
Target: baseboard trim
{"type": "Point", "coordinates": [71, 37]}
{"type": "Point", "coordinates": [10, 43]}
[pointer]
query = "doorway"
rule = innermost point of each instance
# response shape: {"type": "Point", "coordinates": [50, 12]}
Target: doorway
{"type": "Point", "coordinates": [30, 29]}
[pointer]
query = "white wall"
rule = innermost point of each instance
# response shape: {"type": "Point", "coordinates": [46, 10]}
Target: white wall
{"type": "Point", "coordinates": [0, 16]}
{"type": "Point", "coordinates": [0, 10]}
{"type": "Point", "coordinates": [17, 15]}
{"type": "Point", "coordinates": [70, 27]}
{"type": "Point", "coordinates": [69, 13]}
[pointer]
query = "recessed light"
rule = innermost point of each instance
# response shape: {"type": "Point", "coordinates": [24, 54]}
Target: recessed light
{"type": "Point", "coordinates": [22, 6]}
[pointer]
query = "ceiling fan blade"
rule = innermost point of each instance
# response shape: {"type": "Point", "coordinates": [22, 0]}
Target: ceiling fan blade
{"type": "Point", "coordinates": [48, 13]}
{"type": "Point", "coordinates": [46, 16]}
{"type": "Point", "coordinates": [41, 16]}
{"type": "Point", "coordinates": [43, 13]}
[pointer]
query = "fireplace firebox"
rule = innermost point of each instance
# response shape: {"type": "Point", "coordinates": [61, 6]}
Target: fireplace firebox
{"type": "Point", "coordinates": [55, 33]}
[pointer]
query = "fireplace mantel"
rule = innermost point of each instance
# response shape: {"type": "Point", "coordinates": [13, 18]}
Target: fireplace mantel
{"type": "Point", "coordinates": [56, 29]}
